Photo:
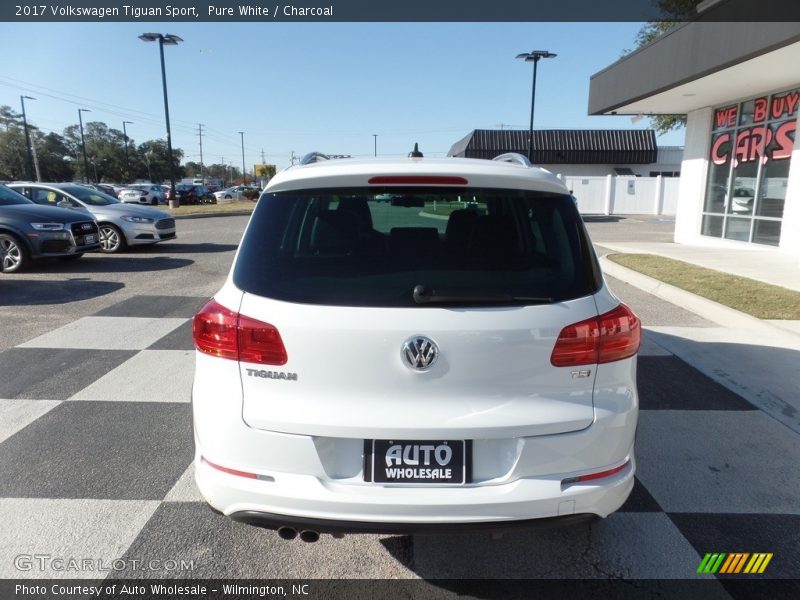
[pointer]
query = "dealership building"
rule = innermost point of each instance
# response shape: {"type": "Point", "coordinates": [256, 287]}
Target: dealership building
{"type": "Point", "coordinates": [739, 85]}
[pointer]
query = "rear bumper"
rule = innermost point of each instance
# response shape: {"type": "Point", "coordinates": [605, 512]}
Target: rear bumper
{"type": "Point", "coordinates": [304, 501]}
{"type": "Point", "coordinates": [273, 521]}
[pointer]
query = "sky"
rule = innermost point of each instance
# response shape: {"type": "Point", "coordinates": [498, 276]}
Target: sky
{"type": "Point", "coordinates": [301, 87]}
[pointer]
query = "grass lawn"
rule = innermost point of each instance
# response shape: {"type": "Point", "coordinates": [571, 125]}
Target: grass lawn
{"type": "Point", "coordinates": [755, 298]}
{"type": "Point", "coordinates": [211, 209]}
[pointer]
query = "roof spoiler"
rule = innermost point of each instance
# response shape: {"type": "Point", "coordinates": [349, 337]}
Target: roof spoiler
{"type": "Point", "coordinates": [514, 157]}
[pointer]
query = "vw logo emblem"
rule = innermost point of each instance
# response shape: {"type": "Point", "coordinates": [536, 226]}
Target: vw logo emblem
{"type": "Point", "coordinates": [419, 353]}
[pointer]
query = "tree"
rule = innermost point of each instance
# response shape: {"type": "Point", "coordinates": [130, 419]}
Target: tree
{"type": "Point", "coordinates": [55, 161]}
{"type": "Point", "coordinates": [674, 11]}
{"type": "Point", "coordinates": [192, 169]}
{"type": "Point", "coordinates": [266, 171]}
{"type": "Point", "coordinates": [9, 117]}
{"type": "Point", "coordinates": [153, 161]}
{"type": "Point", "coordinates": [13, 156]}
{"type": "Point", "coordinates": [228, 174]}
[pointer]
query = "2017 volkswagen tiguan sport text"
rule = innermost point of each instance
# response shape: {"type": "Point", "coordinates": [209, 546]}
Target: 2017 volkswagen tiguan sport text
{"type": "Point", "coordinates": [415, 345]}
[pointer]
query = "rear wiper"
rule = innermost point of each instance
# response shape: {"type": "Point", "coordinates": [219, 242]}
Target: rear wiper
{"type": "Point", "coordinates": [424, 296]}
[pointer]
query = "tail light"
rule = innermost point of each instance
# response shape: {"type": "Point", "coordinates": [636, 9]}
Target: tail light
{"type": "Point", "coordinates": [221, 332]}
{"type": "Point", "coordinates": [609, 337]}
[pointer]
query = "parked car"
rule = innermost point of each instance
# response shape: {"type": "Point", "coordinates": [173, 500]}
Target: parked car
{"type": "Point", "coordinates": [121, 225]}
{"type": "Point", "coordinates": [366, 368]}
{"type": "Point", "coordinates": [743, 198]}
{"type": "Point", "coordinates": [194, 194]}
{"type": "Point", "coordinates": [101, 187]}
{"type": "Point", "coordinates": [237, 192]}
{"type": "Point", "coordinates": [29, 232]}
{"type": "Point", "coordinates": [143, 193]}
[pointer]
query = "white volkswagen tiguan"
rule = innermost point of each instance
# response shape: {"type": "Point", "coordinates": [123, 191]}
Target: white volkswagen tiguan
{"type": "Point", "coordinates": [414, 345]}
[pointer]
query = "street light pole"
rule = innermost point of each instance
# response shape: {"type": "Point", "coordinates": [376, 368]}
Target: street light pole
{"type": "Point", "coordinates": [29, 161]}
{"type": "Point", "coordinates": [171, 40]}
{"type": "Point", "coordinates": [241, 133]}
{"type": "Point", "coordinates": [127, 163]}
{"type": "Point", "coordinates": [534, 57]}
{"type": "Point", "coordinates": [375, 135]}
{"type": "Point", "coordinates": [83, 145]}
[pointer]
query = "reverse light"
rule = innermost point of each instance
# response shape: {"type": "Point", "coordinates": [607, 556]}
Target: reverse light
{"type": "Point", "coordinates": [221, 332]}
{"type": "Point", "coordinates": [612, 336]}
{"type": "Point", "coordinates": [598, 475]}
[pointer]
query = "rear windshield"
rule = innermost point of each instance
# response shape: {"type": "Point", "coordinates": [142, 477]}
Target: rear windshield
{"type": "Point", "coordinates": [416, 247]}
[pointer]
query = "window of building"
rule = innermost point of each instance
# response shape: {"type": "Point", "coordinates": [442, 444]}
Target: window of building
{"type": "Point", "coordinates": [751, 147]}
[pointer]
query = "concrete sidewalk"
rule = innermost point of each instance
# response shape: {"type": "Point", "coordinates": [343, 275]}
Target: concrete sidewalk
{"type": "Point", "coordinates": [769, 265]}
{"type": "Point", "coordinates": [754, 358]}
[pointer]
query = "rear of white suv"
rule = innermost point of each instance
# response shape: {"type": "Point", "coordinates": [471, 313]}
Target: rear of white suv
{"type": "Point", "coordinates": [449, 358]}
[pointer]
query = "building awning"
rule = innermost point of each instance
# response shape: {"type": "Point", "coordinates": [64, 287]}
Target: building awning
{"type": "Point", "coordinates": [563, 146]}
{"type": "Point", "coordinates": [699, 64]}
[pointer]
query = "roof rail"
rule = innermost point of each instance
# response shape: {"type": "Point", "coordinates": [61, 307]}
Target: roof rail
{"type": "Point", "coordinates": [313, 157]}
{"type": "Point", "coordinates": [514, 157]}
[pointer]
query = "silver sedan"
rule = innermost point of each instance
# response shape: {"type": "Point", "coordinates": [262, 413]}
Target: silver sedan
{"type": "Point", "coordinates": [121, 225]}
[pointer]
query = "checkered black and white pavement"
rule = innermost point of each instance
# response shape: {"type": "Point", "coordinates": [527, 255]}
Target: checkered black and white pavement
{"type": "Point", "coordinates": [96, 447]}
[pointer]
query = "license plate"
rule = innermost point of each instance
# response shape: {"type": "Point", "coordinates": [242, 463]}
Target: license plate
{"type": "Point", "coordinates": [418, 462]}
{"type": "Point", "coordinates": [89, 239]}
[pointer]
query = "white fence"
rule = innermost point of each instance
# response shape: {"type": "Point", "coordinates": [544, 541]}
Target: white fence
{"type": "Point", "coordinates": [625, 194]}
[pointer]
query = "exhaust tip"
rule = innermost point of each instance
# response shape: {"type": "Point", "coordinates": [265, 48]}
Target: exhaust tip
{"type": "Point", "coordinates": [309, 536]}
{"type": "Point", "coordinates": [287, 533]}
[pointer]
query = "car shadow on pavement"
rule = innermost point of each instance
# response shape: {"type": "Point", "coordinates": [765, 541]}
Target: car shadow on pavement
{"type": "Point", "coordinates": [179, 248]}
{"type": "Point", "coordinates": [19, 292]}
{"type": "Point", "coordinates": [118, 263]}
{"type": "Point", "coordinates": [759, 365]}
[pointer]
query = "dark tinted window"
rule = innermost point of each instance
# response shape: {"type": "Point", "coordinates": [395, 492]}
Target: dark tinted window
{"type": "Point", "coordinates": [362, 247]}
{"type": "Point", "coordinates": [90, 196]}
{"type": "Point", "coordinates": [9, 196]}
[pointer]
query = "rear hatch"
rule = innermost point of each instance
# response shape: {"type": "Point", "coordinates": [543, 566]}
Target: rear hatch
{"type": "Point", "coordinates": [429, 316]}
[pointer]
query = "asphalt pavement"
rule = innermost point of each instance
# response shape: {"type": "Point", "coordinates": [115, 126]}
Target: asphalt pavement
{"type": "Point", "coordinates": [95, 445]}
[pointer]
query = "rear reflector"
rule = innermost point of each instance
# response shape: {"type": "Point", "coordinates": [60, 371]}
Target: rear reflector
{"type": "Point", "coordinates": [611, 336]}
{"type": "Point", "coordinates": [417, 180]}
{"type": "Point", "coordinates": [221, 332]}
{"type": "Point", "coordinates": [230, 471]}
{"type": "Point", "coordinates": [599, 475]}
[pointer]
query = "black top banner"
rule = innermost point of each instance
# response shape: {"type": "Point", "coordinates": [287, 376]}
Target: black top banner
{"type": "Point", "coordinates": [266, 11]}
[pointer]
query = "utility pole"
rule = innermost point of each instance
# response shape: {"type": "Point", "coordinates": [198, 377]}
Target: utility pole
{"type": "Point", "coordinates": [202, 169]}
{"type": "Point", "coordinates": [533, 57]}
{"type": "Point", "coordinates": [293, 158]}
{"type": "Point", "coordinates": [83, 144]}
{"type": "Point", "coordinates": [375, 139]}
{"type": "Point", "coordinates": [35, 161]}
{"type": "Point", "coordinates": [127, 164]}
{"type": "Point", "coordinates": [224, 172]}
{"type": "Point", "coordinates": [29, 162]}
{"type": "Point", "coordinates": [241, 133]}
